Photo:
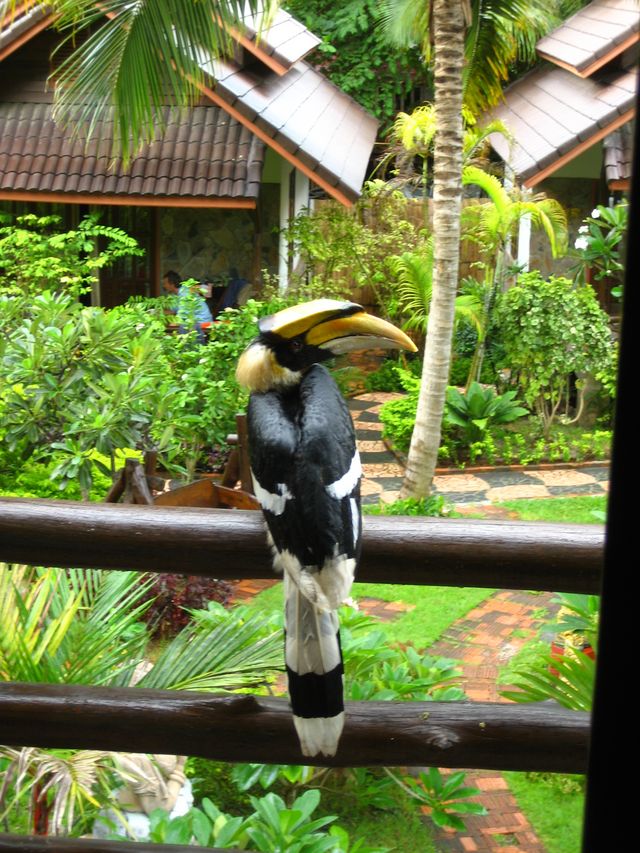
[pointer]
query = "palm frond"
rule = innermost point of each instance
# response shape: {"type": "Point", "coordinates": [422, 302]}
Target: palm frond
{"type": "Point", "coordinates": [239, 652]}
{"type": "Point", "coordinates": [70, 626]}
{"type": "Point", "coordinates": [414, 272]}
{"type": "Point", "coordinates": [568, 680]}
{"type": "Point", "coordinates": [406, 23]}
{"type": "Point", "coordinates": [489, 184]}
{"type": "Point", "coordinates": [138, 58]}
{"type": "Point", "coordinates": [502, 32]}
{"type": "Point", "coordinates": [548, 214]}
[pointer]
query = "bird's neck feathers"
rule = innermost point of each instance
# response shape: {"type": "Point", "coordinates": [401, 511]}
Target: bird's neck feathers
{"type": "Point", "coordinates": [259, 371]}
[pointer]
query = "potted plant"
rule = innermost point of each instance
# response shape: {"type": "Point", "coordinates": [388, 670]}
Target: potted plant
{"type": "Point", "coordinates": [577, 628]}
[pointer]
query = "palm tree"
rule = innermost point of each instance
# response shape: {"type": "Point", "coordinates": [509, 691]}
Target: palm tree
{"type": "Point", "coordinates": [137, 58]}
{"type": "Point", "coordinates": [458, 70]}
{"type": "Point", "coordinates": [492, 226]}
{"type": "Point", "coordinates": [500, 34]}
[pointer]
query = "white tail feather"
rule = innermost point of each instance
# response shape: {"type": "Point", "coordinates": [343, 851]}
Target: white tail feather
{"type": "Point", "coordinates": [319, 734]}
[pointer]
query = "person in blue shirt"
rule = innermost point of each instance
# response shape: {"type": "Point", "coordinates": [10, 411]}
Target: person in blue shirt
{"type": "Point", "coordinates": [191, 308]}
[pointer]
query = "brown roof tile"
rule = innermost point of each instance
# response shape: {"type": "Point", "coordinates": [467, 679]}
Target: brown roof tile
{"type": "Point", "coordinates": [36, 155]}
{"type": "Point", "coordinates": [308, 116]}
{"type": "Point", "coordinates": [550, 112]}
{"type": "Point", "coordinates": [618, 154]}
{"type": "Point", "coordinates": [593, 36]}
{"type": "Point", "coordinates": [286, 40]}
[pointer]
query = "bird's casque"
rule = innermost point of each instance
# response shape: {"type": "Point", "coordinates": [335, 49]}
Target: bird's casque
{"type": "Point", "coordinates": [306, 475]}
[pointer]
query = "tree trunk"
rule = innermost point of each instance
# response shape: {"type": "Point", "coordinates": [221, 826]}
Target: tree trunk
{"type": "Point", "coordinates": [449, 31]}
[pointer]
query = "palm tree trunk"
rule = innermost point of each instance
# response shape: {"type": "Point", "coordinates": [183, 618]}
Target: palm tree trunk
{"type": "Point", "coordinates": [449, 32]}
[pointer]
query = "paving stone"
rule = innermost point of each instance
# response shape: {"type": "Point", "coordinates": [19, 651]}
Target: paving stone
{"type": "Point", "coordinates": [587, 489]}
{"type": "Point", "coordinates": [368, 430]}
{"type": "Point", "coordinates": [382, 470]}
{"type": "Point", "coordinates": [372, 447]}
{"type": "Point", "coordinates": [563, 477]}
{"type": "Point", "coordinates": [506, 493]}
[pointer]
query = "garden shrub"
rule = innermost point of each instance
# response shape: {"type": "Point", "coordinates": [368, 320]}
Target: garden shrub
{"type": "Point", "coordinates": [386, 377]}
{"type": "Point", "coordinates": [83, 383]}
{"type": "Point", "coordinates": [172, 596]}
{"type": "Point", "coordinates": [552, 330]}
{"type": "Point", "coordinates": [35, 255]}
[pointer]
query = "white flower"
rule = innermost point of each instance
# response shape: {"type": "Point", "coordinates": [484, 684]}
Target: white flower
{"type": "Point", "coordinates": [583, 229]}
{"type": "Point", "coordinates": [581, 243]}
{"type": "Point", "coordinates": [595, 213]}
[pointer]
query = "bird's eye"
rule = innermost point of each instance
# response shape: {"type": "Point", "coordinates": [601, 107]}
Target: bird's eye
{"type": "Point", "coordinates": [296, 345]}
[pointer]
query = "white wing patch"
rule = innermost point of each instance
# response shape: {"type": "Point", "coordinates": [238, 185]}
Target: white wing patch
{"type": "Point", "coordinates": [347, 483]}
{"type": "Point", "coordinates": [274, 503]}
{"type": "Point", "coordinates": [355, 520]}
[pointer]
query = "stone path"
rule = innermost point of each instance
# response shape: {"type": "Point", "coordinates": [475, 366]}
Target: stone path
{"type": "Point", "coordinates": [383, 472]}
{"type": "Point", "coordinates": [491, 633]}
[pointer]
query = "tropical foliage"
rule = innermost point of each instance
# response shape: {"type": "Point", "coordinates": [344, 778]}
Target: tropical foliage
{"type": "Point", "coordinates": [598, 246]}
{"type": "Point", "coordinates": [551, 330]}
{"type": "Point", "coordinates": [36, 255]}
{"type": "Point", "coordinates": [501, 34]}
{"type": "Point", "coordinates": [478, 409]}
{"type": "Point", "coordinates": [355, 55]}
{"type": "Point", "coordinates": [83, 627]}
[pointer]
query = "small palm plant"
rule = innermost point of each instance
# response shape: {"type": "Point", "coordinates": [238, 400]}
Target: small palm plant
{"type": "Point", "coordinates": [414, 272]}
{"type": "Point", "coordinates": [83, 627]}
{"type": "Point", "coordinates": [480, 408]}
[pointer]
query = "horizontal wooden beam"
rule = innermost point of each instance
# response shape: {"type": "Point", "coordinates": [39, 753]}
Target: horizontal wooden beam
{"type": "Point", "coordinates": [496, 736]}
{"type": "Point", "coordinates": [57, 844]}
{"type": "Point", "coordinates": [230, 544]}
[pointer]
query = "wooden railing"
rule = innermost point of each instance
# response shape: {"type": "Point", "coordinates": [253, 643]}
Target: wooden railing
{"type": "Point", "coordinates": [231, 544]}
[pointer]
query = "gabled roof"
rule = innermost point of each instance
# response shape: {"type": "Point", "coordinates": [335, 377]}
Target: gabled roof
{"type": "Point", "coordinates": [282, 100]}
{"type": "Point", "coordinates": [593, 36]}
{"type": "Point", "coordinates": [557, 111]}
{"type": "Point", "coordinates": [554, 115]}
{"type": "Point", "coordinates": [203, 157]}
{"type": "Point", "coordinates": [303, 116]}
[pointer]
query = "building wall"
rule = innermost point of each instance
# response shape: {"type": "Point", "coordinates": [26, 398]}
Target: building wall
{"type": "Point", "coordinates": [200, 242]}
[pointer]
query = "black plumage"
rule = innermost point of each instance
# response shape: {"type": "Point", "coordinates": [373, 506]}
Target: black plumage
{"type": "Point", "coordinates": [307, 472]}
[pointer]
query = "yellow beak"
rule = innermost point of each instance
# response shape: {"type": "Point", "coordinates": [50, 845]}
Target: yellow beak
{"type": "Point", "coordinates": [336, 326]}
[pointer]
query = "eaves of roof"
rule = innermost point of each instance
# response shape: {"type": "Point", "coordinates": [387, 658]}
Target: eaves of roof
{"type": "Point", "coordinates": [553, 116]}
{"type": "Point", "coordinates": [20, 25]}
{"type": "Point", "coordinates": [593, 36]}
{"type": "Point", "coordinates": [204, 158]}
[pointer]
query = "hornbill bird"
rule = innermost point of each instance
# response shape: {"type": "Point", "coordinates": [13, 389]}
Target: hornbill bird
{"type": "Point", "coordinates": [306, 476]}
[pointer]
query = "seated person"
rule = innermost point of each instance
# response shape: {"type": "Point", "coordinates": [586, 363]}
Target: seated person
{"type": "Point", "coordinates": [230, 297]}
{"type": "Point", "coordinates": [191, 306]}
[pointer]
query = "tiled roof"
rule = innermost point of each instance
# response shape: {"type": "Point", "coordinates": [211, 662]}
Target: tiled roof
{"type": "Point", "coordinates": [593, 36]}
{"type": "Point", "coordinates": [286, 40]}
{"type": "Point", "coordinates": [306, 115]}
{"type": "Point", "coordinates": [618, 155]}
{"type": "Point", "coordinates": [203, 154]}
{"type": "Point", "coordinates": [552, 115]}
{"type": "Point", "coordinates": [282, 100]}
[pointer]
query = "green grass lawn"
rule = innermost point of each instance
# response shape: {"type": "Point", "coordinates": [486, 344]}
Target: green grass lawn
{"type": "Point", "coordinates": [587, 509]}
{"type": "Point", "coordinates": [554, 805]}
